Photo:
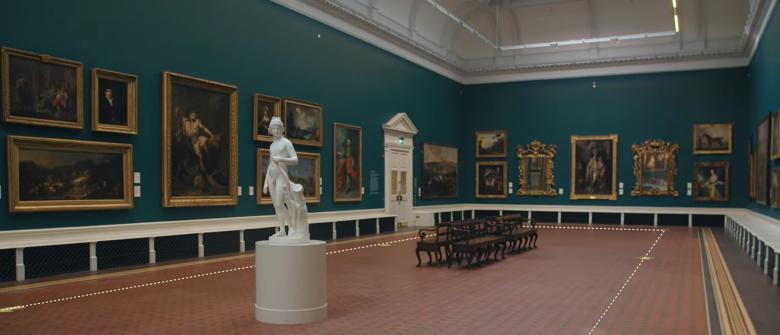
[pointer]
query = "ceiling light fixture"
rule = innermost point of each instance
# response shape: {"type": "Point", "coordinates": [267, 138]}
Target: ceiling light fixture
{"type": "Point", "coordinates": [676, 18]}
{"type": "Point", "coordinates": [462, 23]}
{"type": "Point", "coordinates": [583, 41]}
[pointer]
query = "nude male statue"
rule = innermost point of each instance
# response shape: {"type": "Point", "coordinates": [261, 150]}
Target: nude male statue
{"type": "Point", "coordinates": [287, 196]}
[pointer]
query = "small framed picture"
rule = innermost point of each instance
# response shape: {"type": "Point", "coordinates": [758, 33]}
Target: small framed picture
{"type": "Point", "coordinates": [264, 108]}
{"type": "Point", "coordinates": [711, 181]}
{"type": "Point", "coordinates": [303, 122]}
{"type": "Point", "coordinates": [490, 181]}
{"type": "Point", "coordinates": [114, 102]}
{"type": "Point", "coordinates": [490, 143]}
{"type": "Point", "coordinates": [710, 139]}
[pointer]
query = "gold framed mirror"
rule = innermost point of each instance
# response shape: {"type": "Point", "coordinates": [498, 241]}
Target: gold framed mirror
{"type": "Point", "coordinates": [535, 166]}
{"type": "Point", "coordinates": [655, 167]}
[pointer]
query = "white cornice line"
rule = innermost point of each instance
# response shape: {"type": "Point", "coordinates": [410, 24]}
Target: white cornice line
{"type": "Point", "coordinates": [351, 29]}
{"type": "Point", "coordinates": [765, 21]}
{"type": "Point", "coordinates": [733, 62]}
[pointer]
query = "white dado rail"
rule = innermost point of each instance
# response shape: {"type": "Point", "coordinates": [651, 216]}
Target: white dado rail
{"type": "Point", "coordinates": [20, 239]}
{"type": "Point", "coordinates": [425, 214]}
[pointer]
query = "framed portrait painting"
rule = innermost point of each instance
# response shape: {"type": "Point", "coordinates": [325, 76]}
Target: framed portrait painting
{"type": "Point", "coordinates": [47, 174]}
{"type": "Point", "coordinates": [762, 161]}
{"type": "Point", "coordinates": [264, 107]}
{"type": "Point", "coordinates": [490, 143]}
{"type": "Point", "coordinates": [439, 171]}
{"type": "Point", "coordinates": [711, 181]}
{"type": "Point", "coordinates": [114, 102]}
{"type": "Point", "coordinates": [306, 173]}
{"type": "Point", "coordinates": [41, 90]}
{"type": "Point", "coordinates": [347, 162]}
{"type": "Point", "coordinates": [655, 166]}
{"type": "Point", "coordinates": [303, 122]}
{"type": "Point", "coordinates": [593, 167]}
{"type": "Point", "coordinates": [774, 140]}
{"type": "Point", "coordinates": [199, 142]}
{"type": "Point", "coordinates": [490, 180]}
{"type": "Point", "coordinates": [712, 139]}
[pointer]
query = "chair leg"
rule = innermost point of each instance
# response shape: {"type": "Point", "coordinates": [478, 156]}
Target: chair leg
{"type": "Point", "coordinates": [417, 253]}
{"type": "Point", "coordinates": [430, 260]}
{"type": "Point", "coordinates": [536, 237]}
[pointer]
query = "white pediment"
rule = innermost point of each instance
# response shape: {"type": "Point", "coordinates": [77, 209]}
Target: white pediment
{"type": "Point", "coordinates": [401, 123]}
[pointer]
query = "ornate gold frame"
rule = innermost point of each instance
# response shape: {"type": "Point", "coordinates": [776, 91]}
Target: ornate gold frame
{"type": "Point", "coordinates": [476, 181]}
{"type": "Point", "coordinates": [727, 181]}
{"type": "Point", "coordinates": [15, 143]}
{"type": "Point", "coordinates": [6, 54]}
{"type": "Point", "coordinates": [262, 199]}
{"type": "Point", "coordinates": [318, 142]}
{"type": "Point", "coordinates": [696, 128]}
{"type": "Point", "coordinates": [256, 98]}
{"type": "Point", "coordinates": [655, 147]}
{"type": "Point", "coordinates": [774, 138]}
{"type": "Point", "coordinates": [611, 196]}
{"type": "Point", "coordinates": [132, 98]}
{"type": "Point", "coordinates": [169, 200]}
{"type": "Point", "coordinates": [476, 143]}
{"type": "Point", "coordinates": [359, 161]}
{"type": "Point", "coordinates": [536, 150]}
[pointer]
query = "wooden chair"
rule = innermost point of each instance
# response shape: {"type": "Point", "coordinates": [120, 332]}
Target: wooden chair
{"type": "Point", "coordinates": [433, 240]}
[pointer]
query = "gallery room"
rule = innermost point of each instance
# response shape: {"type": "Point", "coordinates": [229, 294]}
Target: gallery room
{"type": "Point", "coordinates": [390, 167]}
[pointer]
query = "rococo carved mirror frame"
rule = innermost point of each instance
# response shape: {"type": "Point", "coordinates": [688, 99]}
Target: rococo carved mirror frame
{"type": "Point", "coordinates": [536, 150]}
{"type": "Point", "coordinates": [668, 152]}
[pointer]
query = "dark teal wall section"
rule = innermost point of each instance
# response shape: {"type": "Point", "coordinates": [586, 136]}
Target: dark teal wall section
{"type": "Point", "coordinates": [765, 88]}
{"type": "Point", "coordinates": [635, 107]}
{"type": "Point", "coordinates": [256, 45]}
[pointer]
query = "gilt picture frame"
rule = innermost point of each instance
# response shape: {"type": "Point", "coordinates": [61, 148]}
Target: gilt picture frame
{"type": "Point", "coordinates": [712, 139]}
{"type": "Point", "coordinates": [593, 167]}
{"type": "Point", "coordinates": [490, 143]}
{"type": "Point", "coordinates": [41, 90]}
{"type": "Point", "coordinates": [264, 107]}
{"type": "Point", "coordinates": [762, 160]}
{"type": "Point", "coordinates": [490, 180]}
{"type": "Point", "coordinates": [774, 139]}
{"type": "Point", "coordinates": [711, 181]}
{"type": "Point", "coordinates": [535, 169]}
{"type": "Point", "coordinates": [51, 174]}
{"type": "Point", "coordinates": [439, 172]}
{"type": "Point", "coordinates": [303, 122]}
{"type": "Point", "coordinates": [655, 167]}
{"type": "Point", "coordinates": [114, 102]}
{"type": "Point", "coordinates": [347, 163]}
{"type": "Point", "coordinates": [199, 146]}
{"type": "Point", "coordinates": [306, 173]}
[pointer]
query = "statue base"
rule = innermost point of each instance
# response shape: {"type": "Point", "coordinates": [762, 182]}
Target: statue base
{"type": "Point", "coordinates": [290, 285]}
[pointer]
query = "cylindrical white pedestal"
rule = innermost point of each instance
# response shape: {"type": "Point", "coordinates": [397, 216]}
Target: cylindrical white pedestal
{"type": "Point", "coordinates": [290, 283]}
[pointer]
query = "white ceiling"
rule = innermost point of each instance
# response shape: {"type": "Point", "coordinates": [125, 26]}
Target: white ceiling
{"type": "Point", "coordinates": [480, 41]}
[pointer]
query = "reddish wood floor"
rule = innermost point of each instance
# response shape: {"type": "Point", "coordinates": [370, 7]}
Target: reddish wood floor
{"type": "Point", "coordinates": [563, 287]}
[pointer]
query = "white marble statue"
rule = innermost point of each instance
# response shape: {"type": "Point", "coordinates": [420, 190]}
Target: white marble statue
{"type": "Point", "coordinates": [287, 197]}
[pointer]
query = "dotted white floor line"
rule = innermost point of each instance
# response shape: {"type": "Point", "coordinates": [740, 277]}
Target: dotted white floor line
{"type": "Point", "coordinates": [630, 276]}
{"type": "Point", "coordinates": [600, 228]}
{"type": "Point", "coordinates": [45, 302]}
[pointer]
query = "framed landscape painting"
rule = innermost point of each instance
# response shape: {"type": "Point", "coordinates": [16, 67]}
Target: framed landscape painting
{"type": "Point", "coordinates": [762, 161]}
{"type": "Point", "coordinates": [490, 180]}
{"type": "Point", "coordinates": [199, 142]}
{"type": "Point", "coordinates": [41, 90]}
{"type": "Point", "coordinates": [439, 171]}
{"type": "Point", "coordinates": [593, 167]}
{"type": "Point", "coordinates": [114, 102]}
{"type": "Point", "coordinates": [306, 173]}
{"type": "Point", "coordinates": [490, 143]}
{"type": "Point", "coordinates": [46, 174]}
{"type": "Point", "coordinates": [711, 181]}
{"type": "Point", "coordinates": [655, 167]}
{"type": "Point", "coordinates": [712, 139]}
{"type": "Point", "coordinates": [263, 109]}
{"type": "Point", "coordinates": [347, 162]}
{"type": "Point", "coordinates": [303, 122]}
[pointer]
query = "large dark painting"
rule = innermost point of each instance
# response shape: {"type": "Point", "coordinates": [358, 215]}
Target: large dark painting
{"type": "Point", "coordinates": [490, 180]}
{"type": "Point", "coordinates": [347, 162]}
{"type": "Point", "coordinates": [593, 167]}
{"type": "Point", "coordinates": [439, 171]}
{"type": "Point", "coordinates": [304, 122]}
{"type": "Point", "coordinates": [199, 135]}
{"type": "Point", "coordinates": [711, 181]}
{"type": "Point", "coordinates": [114, 102]}
{"type": "Point", "coordinates": [41, 90]}
{"type": "Point", "coordinates": [306, 173]}
{"type": "Point", "coordinates": [762, 161]}
{"type": "Point", "coordinates": [55, 174]}
{"type": "Point", "coordinates": [264, 108]}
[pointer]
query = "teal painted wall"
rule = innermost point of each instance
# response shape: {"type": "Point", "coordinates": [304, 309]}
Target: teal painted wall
{"type": "Point", "coordinates": [765, 89]}
{"type": "Point", "coordinates": [635, 107]}
{"type": "Point", "coordinates": [256, 45]}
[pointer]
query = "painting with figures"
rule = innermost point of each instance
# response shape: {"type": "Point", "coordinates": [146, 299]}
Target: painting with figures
{"type": "Point", "coordinates": [711, 181]}
{"type": "Point", "coordinates": [348, 162]}
{"type": "Point", "coordinates": [265, 107]}
{"type": "Point", "coordinates": [57, 174]}
{"type": "Point", "coordinates": [593, 167]}
{"type": "Point", "coordinates": [200, 142]}
{"type": "Point", "coordinates": [41, 90]}
{"type": "Point", "coordinates": [439, 171]}
{"type": "Point", "coordinates": [114, 99]}
{"type": "Point", "coordinates": [655, 167]}
{"type": "Point", "coordinates": [762, 161]}
{"type": "Point", "coordinates": [304, 122]}
{"type": "Point", "coordinates": [490, 180]}
{"type": "Point", "coordinates": [306, 173]}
